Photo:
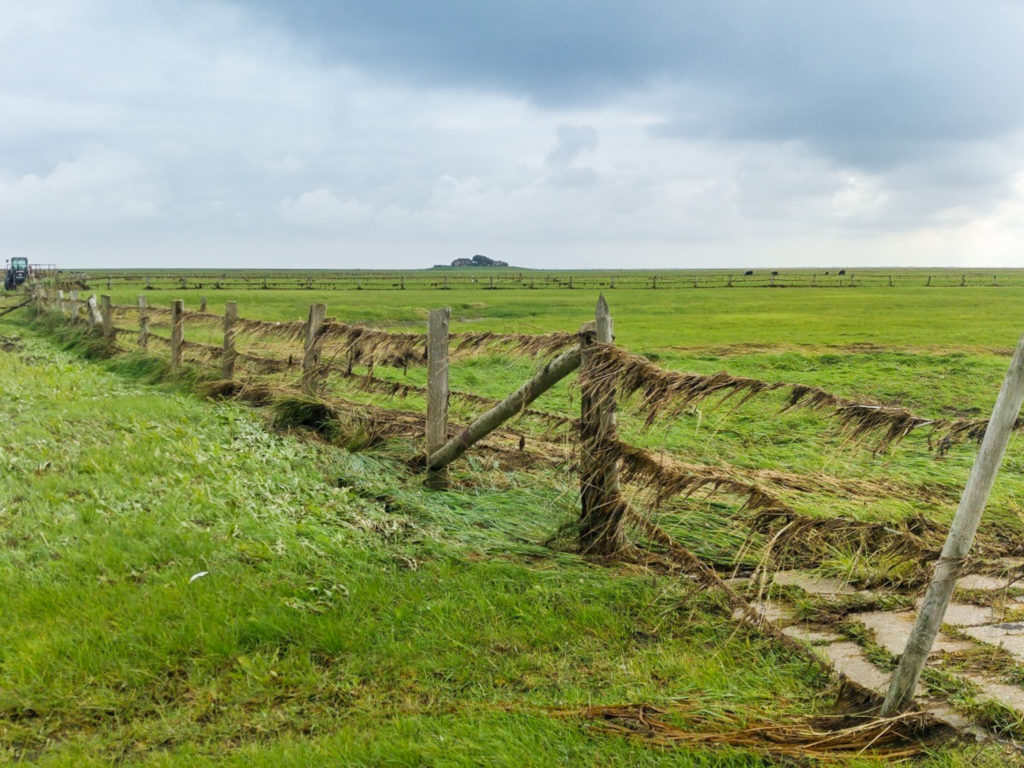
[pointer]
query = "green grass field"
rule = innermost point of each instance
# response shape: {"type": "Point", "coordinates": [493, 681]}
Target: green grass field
{"type": "Point", "coordinates": [349, 617]}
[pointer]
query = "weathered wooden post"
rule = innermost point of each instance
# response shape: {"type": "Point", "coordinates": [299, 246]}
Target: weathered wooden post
{"type": "Point", "coordinates": [814, 279]}
{"type": "Point", "coordinates": [74, 306]}
{"type": "Point", "coordinates": [729, 283]}
{"type": "Point", "coordinates": [963, 280]}
{"type": "Point", "coordinates": [311, 353]}
{"type": "Point", "coordinates": [107, 316]}
{"type": "Point", "coordinates": [437, 392]}
{"type": "Point", "coordinates": [401, 283]}
{"type": "Point", "coordinates": [227, 358]}
{"type": "Point", "coordinates": [771, 280]}
{"type": "Point", "coordinates": [202, 303]}
{"type": "Point", "coordinates": [93, 313]}
{"type": "Point", "coordinates": [602, 507]}
{"type": "Point", "coordinates": [108, 282]}
{"type": "Point", "coordinates": [961, 536]}
{"type": "Point", "coordinates": [177, 331]}
{"type": "Point", "coordinates": [149, 283]}
{"type": "Point", "coordinates": [929, 282]}
{"type": "Point", "coordinates": [610, 285]}
{"type": "Point", "coordinates": [890, 281]}
{"type": "Point", "coordinates": [143, 322]}
{"type": "Point", "coordinates": [60, 302]}
{"type": "Point", "coordinates": [184, 282]}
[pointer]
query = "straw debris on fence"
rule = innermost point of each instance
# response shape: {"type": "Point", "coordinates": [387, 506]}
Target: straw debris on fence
{"type": "Point", "coordinates": [667, 478]}
{"type": "Point", "coordinates": [665, 393]}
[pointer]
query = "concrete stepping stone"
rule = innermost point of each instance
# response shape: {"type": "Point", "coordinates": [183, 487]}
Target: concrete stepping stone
{"type": "Point", "coordinates": [892, 628]}
{"type": "Point", "coordinates": [981, 582]}
{"type": "Point", "coordinates": [1008, 636]}
{"type": "Point", "coordinates": [1008, 695]}
{"type": "Point", "coordinates": [811, 636]}
{"type": "Point", "coordinates": [813, 584]}
{"type": "Point", "coordinates": [966, 615]}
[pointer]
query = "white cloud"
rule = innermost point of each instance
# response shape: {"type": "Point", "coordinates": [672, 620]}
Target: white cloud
{"type": "Point", "coordinates": [144, 133]}
{"type": "Point", "coordinates": [320, 207]}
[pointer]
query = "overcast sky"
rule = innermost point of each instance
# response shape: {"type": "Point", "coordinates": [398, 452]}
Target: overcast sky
{"type": "Point", "coordinates": [548, 133]}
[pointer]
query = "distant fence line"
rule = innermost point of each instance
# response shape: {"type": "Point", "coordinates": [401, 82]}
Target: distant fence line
{"type": "Point", "coordinates": [521, 280]}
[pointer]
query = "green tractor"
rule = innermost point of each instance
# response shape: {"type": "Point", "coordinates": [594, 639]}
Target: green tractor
{"type": "Point", "coordinates": [16, 274]}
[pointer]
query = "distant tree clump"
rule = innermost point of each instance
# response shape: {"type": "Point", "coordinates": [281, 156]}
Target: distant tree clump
{"type": "Point", "coordinates": [479, 261]}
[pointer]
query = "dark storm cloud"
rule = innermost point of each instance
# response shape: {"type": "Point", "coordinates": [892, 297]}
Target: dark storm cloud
{"type": "Point", "coordinates": [866, 83]}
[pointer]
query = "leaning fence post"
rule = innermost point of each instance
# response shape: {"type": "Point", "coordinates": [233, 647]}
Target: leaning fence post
{"type": "Point", "coordinates": [107, 314]}
{"type": "Point", "coordinates": [74, 307]}
{"type": "Point", "coordinates": [143, 322]}
{"type": "Point", "coordinates": [202, 303]}
{"type": "Point", "coordinates": [437, 391]}
{"type": "Point", "coordinates": [177, 331]}
{"type": "Point", "coordinates": [961, 536]}
{"type": "Point", "coordinates": [601, 503]}
{"type": "Point", "coordinates": [311, 353]}
{"type": "Point", "coordinates": [227, 369]}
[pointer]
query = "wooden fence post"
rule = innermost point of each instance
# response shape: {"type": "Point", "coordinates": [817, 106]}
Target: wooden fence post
{"type": "Point", "coordinates": [93, 313]}
{"type": "Point", "coordinates": [143, 322]}
{"type": "Point", "coordinates": [437, 392]}
{"type": "Point", "coordinates": [929, 282]}
{"type": "Point", "coordinates": [107, 314]}
{"type": "Point", "coordinates": [602, 507]}
{"type": "Point", "coordinates": [961, 536]}
{"type": "Point", "coordinates": [202, 303]}
{"type": "Point", "coordinates": [60, 302]}
{"type": "Point", "coordinates": [227, 366]}
{"type": "Point", "coordinates": [74, 307]}
{"type": "Point", "coordinates": [311, 353]}
{"type": "Point", "coordinates": [177, 331]}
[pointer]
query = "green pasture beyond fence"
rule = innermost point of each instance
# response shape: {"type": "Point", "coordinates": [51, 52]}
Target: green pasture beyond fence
{"type": "Point", "coordinates": [513, 279]}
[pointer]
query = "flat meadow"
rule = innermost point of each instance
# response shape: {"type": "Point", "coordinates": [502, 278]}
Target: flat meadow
{"type": "Point", "coordinates": [190, 580]}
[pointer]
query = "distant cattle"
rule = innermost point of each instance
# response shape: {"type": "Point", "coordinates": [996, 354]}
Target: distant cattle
{"type": "Point", "coordinates": [842, 271]}
{"type": "Point", "coordinates": [775, 274]}
{"type": "Point", "coordinates": [826, 273]}
{"type": "Point", "coordinates": [748, 273]}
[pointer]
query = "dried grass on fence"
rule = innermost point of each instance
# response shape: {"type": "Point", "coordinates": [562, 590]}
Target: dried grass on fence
{"type": "Point", "coordinates": [666, 478]}
{"type": "Point", "coordinates": [664, 392]}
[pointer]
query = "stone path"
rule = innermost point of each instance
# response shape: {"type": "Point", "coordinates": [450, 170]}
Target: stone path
{"type": "Point", "coordinates": [975, 630]}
